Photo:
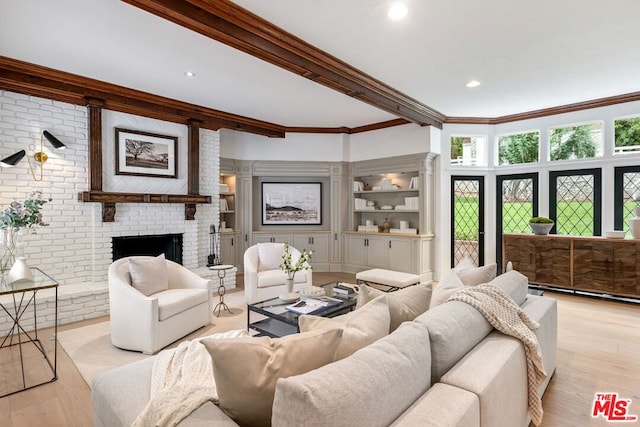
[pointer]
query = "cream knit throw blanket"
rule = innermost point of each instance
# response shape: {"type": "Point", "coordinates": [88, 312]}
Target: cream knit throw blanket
{"type": "Point", "coordinates": [507, 317]}
{"type": "Point", "coordinates": [181, 381]}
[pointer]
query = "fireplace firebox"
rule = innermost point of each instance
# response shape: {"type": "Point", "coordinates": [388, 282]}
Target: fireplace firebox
{"type": "Point", "coordinates": [152, 245]}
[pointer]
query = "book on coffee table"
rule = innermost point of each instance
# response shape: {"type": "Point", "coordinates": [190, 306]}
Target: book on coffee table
{"type": "Point", "coordinates": [344, 289]}
{"type": "Point", "coordinates": [312, 305]}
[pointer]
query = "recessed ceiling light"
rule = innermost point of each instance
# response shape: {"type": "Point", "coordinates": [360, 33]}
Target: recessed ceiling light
{"type": "Point", "coordinates": [190, 74]}
{"type": "Point", "coordinates": [397, 11]}
{"type": "Point", "coordinates": [473, 83]}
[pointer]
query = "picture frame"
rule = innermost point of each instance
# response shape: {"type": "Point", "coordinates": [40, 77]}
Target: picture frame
{"type": "Point", "coordinates": [291, 203]}
{"type": "Point", "coordinates": [146, 154]}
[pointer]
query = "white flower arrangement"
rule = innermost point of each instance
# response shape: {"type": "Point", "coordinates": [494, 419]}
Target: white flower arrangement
{"type": "Point", "coordinates": [291, 268]}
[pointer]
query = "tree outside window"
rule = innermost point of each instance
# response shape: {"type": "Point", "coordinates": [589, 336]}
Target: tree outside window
{"type": "Point", "coordinates": [468, 150]}
{"type": "Point", "coordinates": [518, 148]}
{"type": "Point", "coordinates": [576, 142]}
{"type": "Point", "coordinates": [627, 135]}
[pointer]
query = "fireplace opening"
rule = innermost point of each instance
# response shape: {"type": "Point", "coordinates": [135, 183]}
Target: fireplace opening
{"type": "Point", "coordinates": [153, 245]}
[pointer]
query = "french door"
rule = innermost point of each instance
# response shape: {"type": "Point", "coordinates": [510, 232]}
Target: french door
{"type": "Point", "coordinates": [626, 190]}
{"type": "Point", "coordinates": [575, 202]}
{"type": "Point", "coordinates": [517, 201]}
{"type": "Point", "coordinates": [467, 219]}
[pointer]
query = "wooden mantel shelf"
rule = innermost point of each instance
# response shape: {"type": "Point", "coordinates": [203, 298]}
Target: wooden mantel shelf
{"type": "Point", "coordinates": [109, 200]}
{"type": "Point", "coordinates": [107, 197]}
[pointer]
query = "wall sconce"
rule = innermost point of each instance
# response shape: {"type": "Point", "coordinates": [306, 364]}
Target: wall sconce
{"type": "Point", "coordinates": [39, 156]}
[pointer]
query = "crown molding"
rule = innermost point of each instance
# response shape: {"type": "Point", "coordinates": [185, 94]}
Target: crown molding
{"type": "Point", "coordinates": [36, 80]}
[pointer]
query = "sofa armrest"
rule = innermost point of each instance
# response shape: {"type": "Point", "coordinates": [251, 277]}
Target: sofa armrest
{"type": "Point", "coordinates": [119, 395]}
{"type": "Point", "coordinates": [442, 406]}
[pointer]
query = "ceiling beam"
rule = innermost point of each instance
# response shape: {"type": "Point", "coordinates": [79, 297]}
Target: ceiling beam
{"type": "Point", "coordinates": [228, 23]}
{"type": "Point", "coordinates": [31, 79]}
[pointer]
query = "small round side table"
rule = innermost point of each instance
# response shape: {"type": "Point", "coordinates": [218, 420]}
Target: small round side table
{"type": "Point", "coordinates": [222, 272]}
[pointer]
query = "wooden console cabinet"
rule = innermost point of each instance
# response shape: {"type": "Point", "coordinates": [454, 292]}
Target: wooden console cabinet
{"type": "Point", "coordinates": [591, 264]}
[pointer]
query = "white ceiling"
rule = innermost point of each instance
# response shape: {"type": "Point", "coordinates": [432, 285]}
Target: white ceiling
{"type": "Point", "coordinates": [527, 54]}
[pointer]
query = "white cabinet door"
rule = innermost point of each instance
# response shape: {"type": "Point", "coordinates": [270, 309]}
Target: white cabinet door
{"type": "Point", "coordinates": [229, 248]}
{"type": "Point", "coordinates": [261, 238]}
{"type": "Point", "coordinates": [318, 243]}
{"type": "Point", "coordinates": [401, 254]}
{"type": "Point", "coordinates": [377, 251]}
{"type": "Point", "coordinates": [355, 250]}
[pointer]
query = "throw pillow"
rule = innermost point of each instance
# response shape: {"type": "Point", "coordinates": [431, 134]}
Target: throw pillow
{"type": "Point", "coordinates": [404, 304]}
{"type": "Point", "coordinates": [270, 256]}
{"type": "Point", "coordinates": [476, 275]}
{"type": "Point", "coordinates": [149, 275]}
{"type": "Point", "coordinates": [360, 327]}
{"type": "Point", "coordinates": [464, 264]}
{"type": "Point", "coordinates": [246, 369]}
{"type": "Point", "coordinates": [447, 286]}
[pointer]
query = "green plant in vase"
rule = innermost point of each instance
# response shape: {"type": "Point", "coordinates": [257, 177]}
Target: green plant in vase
{"type": "Point", "coordinates": [19, 216]}
{"type": "Point", "coordinates": [291, 267]}
{"type": "Point", "coordinates": [541, 225]}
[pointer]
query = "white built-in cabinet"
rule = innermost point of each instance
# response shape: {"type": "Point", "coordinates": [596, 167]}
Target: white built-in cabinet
{"type": "Point", "coordinates": [396, 191]}
{"type": "Point", "coordinates": [318, 242]}
{"type": "Point", "coordinates": [337, 243]}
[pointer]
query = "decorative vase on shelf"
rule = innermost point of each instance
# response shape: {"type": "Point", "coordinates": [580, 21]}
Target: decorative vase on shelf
{"type": "Point", "coordinates": [634, 223]}
{"type": "Point", "coordinates": [20, 272]}
{"type": "Point", "coordinates": [289, 295]}
{"type": "Point", "coordinates": [10, 240]}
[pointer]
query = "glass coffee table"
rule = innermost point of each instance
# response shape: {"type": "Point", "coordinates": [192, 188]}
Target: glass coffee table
{"type": "Point", "coordinates": [280, 322]}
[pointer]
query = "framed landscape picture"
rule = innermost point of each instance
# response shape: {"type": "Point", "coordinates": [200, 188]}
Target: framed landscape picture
{"type": "Point", "coordinates": [146, 154]}
{"type": "Point", "coordinates": [291, 203]}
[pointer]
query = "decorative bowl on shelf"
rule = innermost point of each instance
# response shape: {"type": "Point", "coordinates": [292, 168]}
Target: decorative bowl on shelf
{"type": "Point", "coordinates": [386, 207]}
{"type": "Point", "coordinates": [614, 234]}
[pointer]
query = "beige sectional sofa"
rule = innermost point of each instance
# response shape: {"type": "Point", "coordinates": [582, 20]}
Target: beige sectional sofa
{"type": "Point", "coordinates": [448, 367]}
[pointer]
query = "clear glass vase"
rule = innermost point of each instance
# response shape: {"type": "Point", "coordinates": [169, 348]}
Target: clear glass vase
{"type": "Point", "coordinates": [11, 240]}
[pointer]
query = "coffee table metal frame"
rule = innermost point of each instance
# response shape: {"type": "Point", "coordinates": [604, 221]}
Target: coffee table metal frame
{"type": "Point", "coordinates": [24, 295]}
{"type": "Point", "coordinates": [281, 322]}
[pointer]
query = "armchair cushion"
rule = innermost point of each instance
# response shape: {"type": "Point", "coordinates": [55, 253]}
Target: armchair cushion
{"type": "Point", "coordinates": [175, 301]}
{"type": "Point", "coordinates": [277, 277]}
{"type": "Point", "coordinates": [270, 256]}
{"type": "Point", "coordinates": [149, 275]}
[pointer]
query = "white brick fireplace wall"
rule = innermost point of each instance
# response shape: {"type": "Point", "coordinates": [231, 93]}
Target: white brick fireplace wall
{"type": "Point", "coordinates": [75, 248]}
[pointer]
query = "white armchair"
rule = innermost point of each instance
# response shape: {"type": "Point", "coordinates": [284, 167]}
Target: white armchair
{"type": "Point", "coordinates": [149, 323]}
{"type": "Point", "coordinates": [263, 281]}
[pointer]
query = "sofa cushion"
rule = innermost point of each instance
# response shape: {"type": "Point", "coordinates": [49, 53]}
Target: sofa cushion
{"type": "Point", "coordinates": [176, 301]}
{"type": "Point", "coordinates": [515, 284]}
{"type": "Point", "coordinates": [454, 329]}
{"type": "Point", "coordinates": [149, 275]}
{"type": "Point", "coordinates": [404, 304]}
{"type": "Point", "coordinates": [360, 327]}
{"type": "Point", "coordinates": [270, 256]}
{"type": "Point", "coordinates": [246, 369]}
{"type": "Point", "coordinates": [269, 278]}
{"type": "Point", "coordinates": [476, 275]}
{"type": "Point", "coordinates": [448, 285]}
{"type": "Point", "coordinates": [501, 384]}
{"type": "Point", "coordinates": [372, 387]}
{"type": "Point", "coordinates": [442, 406]}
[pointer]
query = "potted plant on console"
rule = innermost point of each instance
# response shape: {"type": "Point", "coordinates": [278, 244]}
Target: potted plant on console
{"type": "Point", "coordinates": [541, 225]}
{"type": "Point", "coordinates": [291, 267]}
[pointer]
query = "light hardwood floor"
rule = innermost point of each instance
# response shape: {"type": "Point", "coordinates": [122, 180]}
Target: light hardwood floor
{"type": "Point", "coordinates": [598, 351]}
